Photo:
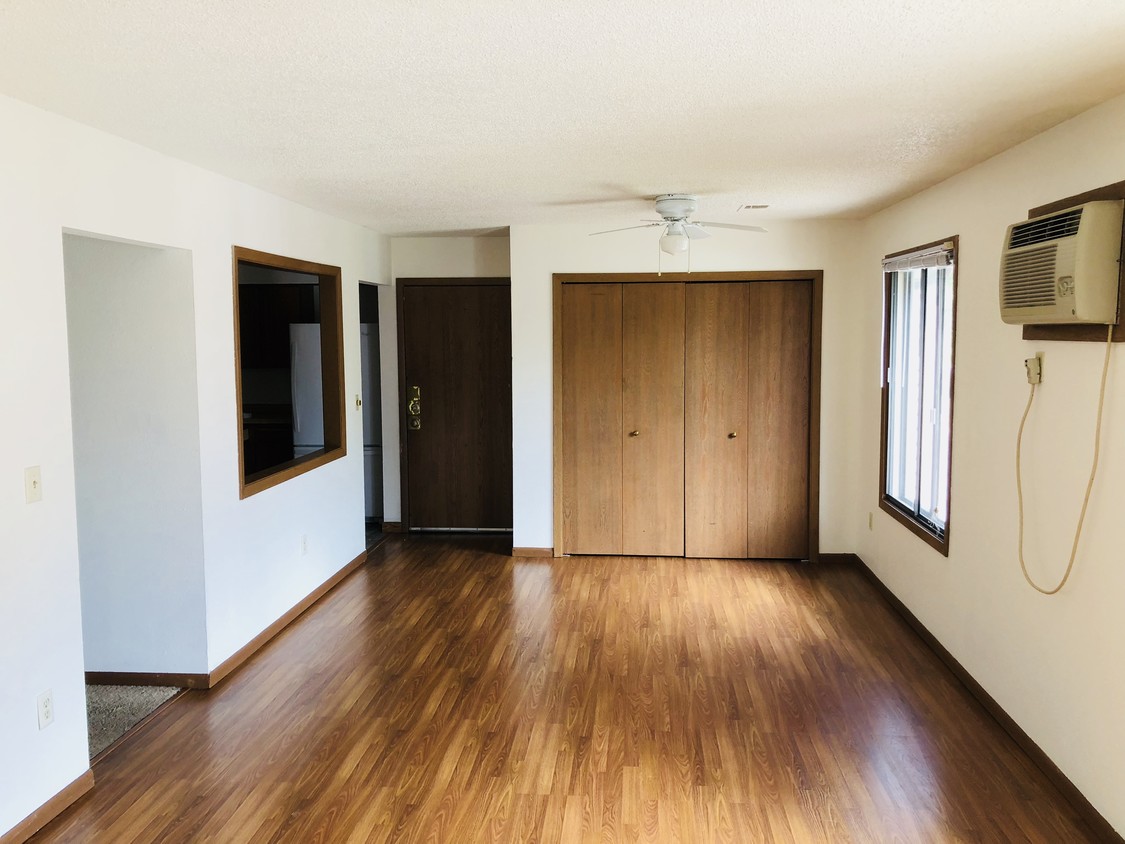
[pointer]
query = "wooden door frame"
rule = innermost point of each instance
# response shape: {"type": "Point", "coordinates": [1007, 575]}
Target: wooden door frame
{"type": "Point", "coordinates": [814, 277]}
{"type": "Point", "coordinates": [401, 284]}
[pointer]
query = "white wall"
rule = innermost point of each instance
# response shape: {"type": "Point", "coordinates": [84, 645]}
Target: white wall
{"type": "Point", "coordinates": [422, 257]}
{"type": "Point", "coordinates": [449, 257]}
{"type": "Point", "coordinates": [61, 175]}
{"type": "Point", "coordinates": [1054, 664]}
{"type": "Point", "coordinates": [539, 251]}
{"type": "Point", "coordinates": [135, 412]}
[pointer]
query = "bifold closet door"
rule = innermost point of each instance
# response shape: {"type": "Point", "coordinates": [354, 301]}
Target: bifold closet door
{"type": "Point", "coordinates": [652, 437]}
{"type": "Point", "coordinates": [717, 367]}
{"type": "Point", "coordinates": [622, 449]}
{"type": "Point", "coordinates": [591, 444]}
{"type": "Point", "coordinates": [685, 418]}
{"type": "Point", "coordinates": [779, 338]}
{"type": "Point", "coordinates": [747, 419]}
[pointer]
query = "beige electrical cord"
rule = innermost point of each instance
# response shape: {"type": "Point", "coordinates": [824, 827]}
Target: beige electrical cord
{"type": "Point", "coordinates": [1089, 484]}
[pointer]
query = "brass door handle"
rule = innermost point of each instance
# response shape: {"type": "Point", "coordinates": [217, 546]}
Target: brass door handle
{"type": "Point", "coordinates": [414, 408]}
{"type": "Point", "coordinates": [732, 435]}
{"type": "Point", "coordinates": [634, 433]}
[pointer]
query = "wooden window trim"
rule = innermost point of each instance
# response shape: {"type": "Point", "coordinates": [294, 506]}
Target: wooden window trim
{"type": "Point", "coordinates": [332, 369]}
{"type": "Point", "coordinates": [813, 277]}
{"type": "Point", "coordinates": [940, 542]}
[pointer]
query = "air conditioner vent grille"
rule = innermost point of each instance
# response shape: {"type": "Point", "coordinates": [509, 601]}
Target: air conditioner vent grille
{"type": "Point", "coordinates": [1029, 278]}
{"type": "Point", "coordinates": [1047, 228]}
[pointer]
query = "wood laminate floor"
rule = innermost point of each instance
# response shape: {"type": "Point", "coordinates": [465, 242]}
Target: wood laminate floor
{"type": "Point", "coordinates": [448, 693]}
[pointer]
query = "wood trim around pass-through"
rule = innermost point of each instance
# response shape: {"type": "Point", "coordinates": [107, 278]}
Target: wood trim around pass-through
{"type": "Point", "coordinates": [332, 368]}
{"type": "Point", "coordinates": [814, 277]}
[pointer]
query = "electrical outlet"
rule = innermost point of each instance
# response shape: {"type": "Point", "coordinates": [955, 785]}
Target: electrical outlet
{"type": "Point", "coordinates": [304, 544]}
{"type": "Point", "coordinates": [32, 484]}
{"type": "Point", "coordinates": [45, 705]}
{"type": "Point", "coordinates": [1034, 368]}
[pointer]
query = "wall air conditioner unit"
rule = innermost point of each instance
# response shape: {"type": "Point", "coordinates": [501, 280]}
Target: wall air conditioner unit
{"type": "Point", "coordinates": [1063, 267]}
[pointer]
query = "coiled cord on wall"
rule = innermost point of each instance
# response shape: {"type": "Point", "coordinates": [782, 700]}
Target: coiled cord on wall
{"type": "Point", "coordinates": [1089, 484]}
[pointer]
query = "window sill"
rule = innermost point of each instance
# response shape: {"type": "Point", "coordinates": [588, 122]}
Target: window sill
{"type": "Point", "coordinates": [273, 477]}
{"type": "Point", "coordinates": [938, 542]}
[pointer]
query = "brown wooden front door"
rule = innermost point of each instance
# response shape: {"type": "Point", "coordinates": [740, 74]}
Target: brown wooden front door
{"type": "Point", "coordinates": [456, 393]}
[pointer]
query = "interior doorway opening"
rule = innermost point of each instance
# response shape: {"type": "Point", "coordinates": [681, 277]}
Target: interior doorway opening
{"type": "Point", "coordinates": [138, 487]}
{"type": "Point", "coordinates": [371, 395]}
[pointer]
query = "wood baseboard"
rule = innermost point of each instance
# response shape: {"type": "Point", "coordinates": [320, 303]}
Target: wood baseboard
{"type": "Point", "coordinates": [57, 804]}
{"type": "Point", "coordinates": [1083, 807]}
{"type": "Point", "coordinates": [232, 663]}
{"type": "Point", "coordinates": [143, 678]}
{"type": "Point", "coordinates": [533, 552]}
{"type": "Point", "coordinates": [393, 527]}
{"type": "Point", "coordinates": [50, 810]}
{"type": "Point", "coordinates": [848, 559]}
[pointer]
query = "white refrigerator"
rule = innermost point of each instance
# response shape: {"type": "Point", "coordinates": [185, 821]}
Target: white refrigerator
{"type": "Point", "coordinates": [308, 404]}
{"type": "Point", "coordinates": [372, 421]}
{"type": "Point", "coordinates": [308, 396]}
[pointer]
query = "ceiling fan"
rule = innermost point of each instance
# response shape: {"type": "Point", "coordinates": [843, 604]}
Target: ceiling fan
{"type": "Point", "coordinates": [675, 209]}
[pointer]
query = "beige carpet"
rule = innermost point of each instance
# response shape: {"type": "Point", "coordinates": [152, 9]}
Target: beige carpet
{"type": "Point", "coordinates": [112, 710]}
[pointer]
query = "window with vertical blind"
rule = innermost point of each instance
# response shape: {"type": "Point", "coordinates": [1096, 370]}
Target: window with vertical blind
{"type": "Point", "coordinates": [917, 429]}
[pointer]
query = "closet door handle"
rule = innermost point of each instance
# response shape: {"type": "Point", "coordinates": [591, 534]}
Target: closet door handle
{"type": "Point", "coordinates": [634, 433]}
{"type": "Point", "coordinates": [732, 435]}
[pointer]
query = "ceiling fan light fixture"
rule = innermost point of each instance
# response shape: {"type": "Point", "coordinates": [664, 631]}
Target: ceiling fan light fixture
{"type": "Point", "coordinates": [673, 241]}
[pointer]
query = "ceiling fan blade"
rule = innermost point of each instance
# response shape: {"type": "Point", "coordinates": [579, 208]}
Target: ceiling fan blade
{"type": "Point", "coordinates": [730, 226]}
{"type": "Point", "coordinates": [606, 193]}
{"type": "Point", "coordinates": [695, 231]}
{"type": "Point", "coordinates": [627, 228]}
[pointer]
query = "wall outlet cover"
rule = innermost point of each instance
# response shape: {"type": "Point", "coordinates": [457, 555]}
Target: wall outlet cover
{"type": "Point", "coordinates": [45, 706]}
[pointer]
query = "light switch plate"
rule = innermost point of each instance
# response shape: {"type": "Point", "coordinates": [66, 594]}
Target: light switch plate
{"type": "Point", "coordinates": [32, 484]}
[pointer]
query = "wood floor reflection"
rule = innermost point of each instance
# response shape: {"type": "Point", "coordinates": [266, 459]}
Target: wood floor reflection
{"type": "Point", "coordinates": [448, 693]}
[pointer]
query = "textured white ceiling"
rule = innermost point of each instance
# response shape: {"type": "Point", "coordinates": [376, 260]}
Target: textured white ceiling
{"type": "Point", "coordinates": [429, 116]}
